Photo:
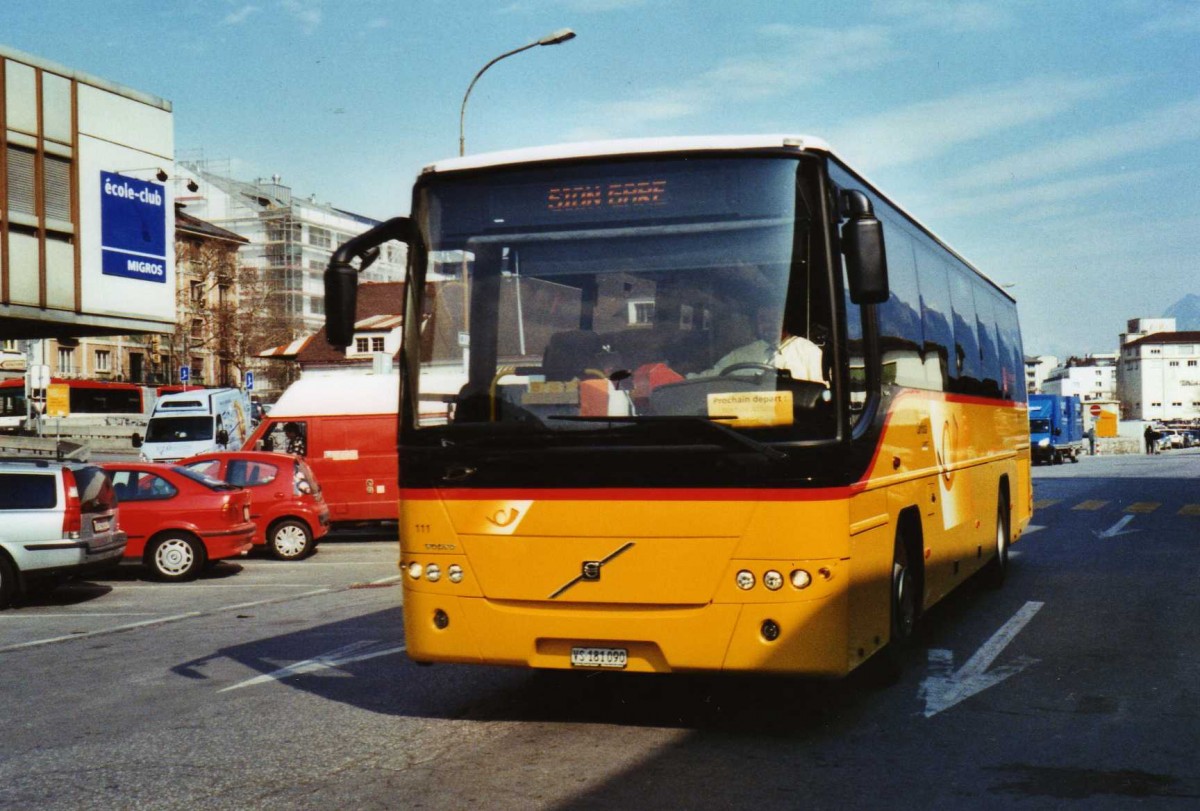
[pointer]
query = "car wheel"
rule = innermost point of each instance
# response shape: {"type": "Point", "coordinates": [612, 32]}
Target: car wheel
{"type": "Point", "coordinates": [290, 539]}
{"type": "Point", "coordinates": [175, 557]}
{"type": "Point", "coordinates": [8, 582]}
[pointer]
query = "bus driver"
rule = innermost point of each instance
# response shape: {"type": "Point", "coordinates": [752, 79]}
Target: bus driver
{"type": "Point", "coordinates": [774, 346]}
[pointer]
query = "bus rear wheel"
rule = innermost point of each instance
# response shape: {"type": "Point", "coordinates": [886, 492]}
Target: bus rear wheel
{"type": "Point", "coordinates": [996, 570]}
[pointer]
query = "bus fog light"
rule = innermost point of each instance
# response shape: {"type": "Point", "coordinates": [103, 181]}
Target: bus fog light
{"type": "Point", "coordinates": [770, 630]}
{"type": "Point", "coordinates": [455, 573]}
{"type": "Point", "coordinates": [745, 580]}
{"type": "Point", "coordinates": [433, 573]}
{"type": "Point", "coordinates": [773, 580]}
{"type": "Point", "coordinates": [441, 619]}
{"type": "Point", "coordinates": [415, 570]}
{"type": "Point", "coordinates": [801, 579]}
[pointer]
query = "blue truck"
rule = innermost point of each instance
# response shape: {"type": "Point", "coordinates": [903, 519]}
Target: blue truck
{"type": "Point", "coordinates": [1055, 428]}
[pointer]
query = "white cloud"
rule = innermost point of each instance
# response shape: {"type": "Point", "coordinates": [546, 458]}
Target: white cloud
{"type": "Point", "coordinates": [306, 12]}
{"type": "Point", "coordinates": [1163, 127]}
{"type": "Point", "coordinates": [1058, 196]}
{"type": "Point", "coordinates": [1176, 20]}
{"type": "Point", "coordinates": [240, 15]}
{"type": "Point", "coordinates": [926, 129]}
{"type": "Point", "coordinates": [959, 16]}
{"type": "Point", "coordinates": [789, 57]}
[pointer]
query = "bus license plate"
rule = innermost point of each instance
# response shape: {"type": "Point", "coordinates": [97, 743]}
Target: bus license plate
{"type": "Point", "coordinates": [599, 657]}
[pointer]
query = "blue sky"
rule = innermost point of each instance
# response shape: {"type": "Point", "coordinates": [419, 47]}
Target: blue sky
{"type": "Point", "coordinates": [1053, 144]}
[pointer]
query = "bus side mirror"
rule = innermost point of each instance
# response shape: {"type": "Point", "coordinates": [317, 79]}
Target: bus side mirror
{"type": "Point", "coordinates": [341, 277]}
{"type": "Point", "coordinates": [862, 244]}
{"type": "Point", "coordinates": [136, 440]}
{"type": "Point", "coordinates": [222, 437]}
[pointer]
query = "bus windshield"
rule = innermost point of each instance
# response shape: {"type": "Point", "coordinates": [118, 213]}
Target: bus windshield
{"type": "Point", "coordinates": [627, 296]}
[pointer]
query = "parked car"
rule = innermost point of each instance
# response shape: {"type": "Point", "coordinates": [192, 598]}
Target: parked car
{"type": "Point", "coordinates": [179, 520]}
{"type": "Point", "coordinates": [286, 504]}
{"type": "Point", "coordinates": [57, 520]}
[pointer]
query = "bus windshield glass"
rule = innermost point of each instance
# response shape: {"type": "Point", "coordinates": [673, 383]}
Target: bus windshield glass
{"type": "Point", "coordinates": [604, 296]}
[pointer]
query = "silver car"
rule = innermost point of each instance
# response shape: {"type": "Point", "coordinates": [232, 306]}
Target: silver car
{"type": "Point", "coordinates": [57, 520]}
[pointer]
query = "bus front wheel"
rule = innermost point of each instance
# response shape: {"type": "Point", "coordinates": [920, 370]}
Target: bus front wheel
{"type": "Point", "coordinates": [887, 666]}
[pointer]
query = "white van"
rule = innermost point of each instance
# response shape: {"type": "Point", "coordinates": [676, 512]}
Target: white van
{"type": "Point", "coordinates": [190, 422]}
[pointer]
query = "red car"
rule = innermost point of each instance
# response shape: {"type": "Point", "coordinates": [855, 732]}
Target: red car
{"type": "Point", "coordinates": [286, 503]}
{"type": "Point", "coordinates": [177, 519]}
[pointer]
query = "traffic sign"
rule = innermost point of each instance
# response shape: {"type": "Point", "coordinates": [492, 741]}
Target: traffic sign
{"type": "Point", "coordinates": [1096, 410]}
{"type": "Point", "coordinates": [249, 381]}
{"type": "Point", "coordinates": [185, 373]}
{"type": "Point", "coordinates": [39, 376]}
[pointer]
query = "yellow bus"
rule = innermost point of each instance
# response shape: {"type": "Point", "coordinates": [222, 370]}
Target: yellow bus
{"type": "Point", "coordinates": [690, 404]}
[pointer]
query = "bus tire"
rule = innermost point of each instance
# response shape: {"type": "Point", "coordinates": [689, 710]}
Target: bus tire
{"type": "Point", "coordinates": [887, 666]}
{"type": "Point", "coordinates": [8, 582]}
{"type": "Point", "coordinates": [996, 569]}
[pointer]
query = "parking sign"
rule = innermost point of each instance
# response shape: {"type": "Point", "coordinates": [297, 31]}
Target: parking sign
{"type": "Point", "coordinates": [249, 381]}
{"type": "Point", "coordinates": [185, 373]}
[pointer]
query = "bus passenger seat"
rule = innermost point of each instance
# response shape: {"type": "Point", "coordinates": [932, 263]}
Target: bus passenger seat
{"type": "Point", "coordinates": [569, 354]}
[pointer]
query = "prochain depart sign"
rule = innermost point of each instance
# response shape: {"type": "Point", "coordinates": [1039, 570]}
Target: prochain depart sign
{"type": "Point", "coordinates": [133, 228]}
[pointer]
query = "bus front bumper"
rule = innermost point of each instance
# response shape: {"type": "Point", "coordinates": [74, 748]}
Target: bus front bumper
{"type": "Point", "coordinates": [809, 635]}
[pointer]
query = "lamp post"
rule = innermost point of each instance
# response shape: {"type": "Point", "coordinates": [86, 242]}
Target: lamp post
{"type": "Point", "coordinates": [561, 35]}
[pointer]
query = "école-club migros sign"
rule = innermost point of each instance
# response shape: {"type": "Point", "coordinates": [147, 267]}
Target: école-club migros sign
{"type": "Point", "coordinates": [133, 228]}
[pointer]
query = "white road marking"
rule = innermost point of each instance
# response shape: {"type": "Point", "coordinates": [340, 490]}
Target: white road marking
{"type": "Point", "coordinates": [354, 652]}
{"type": "Point", "coordinates": [145, 623]}
{"type": "Point", "coordinates": [1117, 528]}
{"type": "Point", "coordinates": [1032, 528]}
{"type": "Point", "coordinates": [945, 687]}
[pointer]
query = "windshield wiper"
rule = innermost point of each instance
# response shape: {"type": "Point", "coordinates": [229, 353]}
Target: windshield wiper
{"type": "Point", "coordinates": [724, 431]}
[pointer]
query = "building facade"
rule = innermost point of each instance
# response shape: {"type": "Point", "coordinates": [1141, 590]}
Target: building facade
{"type": "Point", "coordinates": [289, 242]}
{"type": "Point", "coordinates": [1091, 378]}
{"type": "Point", "coordinates": [1159, 371]}
{"type": "Point", "coordinates": [206, 336]}
{"type": "Point", "coordinates": [86, 215]}
{"type": "Point", "coordinates": [1037, 369]}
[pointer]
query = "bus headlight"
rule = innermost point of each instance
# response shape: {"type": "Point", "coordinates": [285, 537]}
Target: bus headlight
{"type": "Point", "coordinates": [773, 580]}
{"type": "Point", "coordinates": [433, 573]}
{"type": "Point", "coordinates": [415, 570]}
{"type": "Point", "coordinates": [1044, 443]}
{"type": "Point", "coordinates": [745, 580]}
{"type": "Point", "coordinates": [801, 579]}
{"type": "Point", "coordinates": [455, 573]}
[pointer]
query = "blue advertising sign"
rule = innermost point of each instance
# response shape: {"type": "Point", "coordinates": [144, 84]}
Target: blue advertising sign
{"type": "Point", "coordinates": [133, 228]}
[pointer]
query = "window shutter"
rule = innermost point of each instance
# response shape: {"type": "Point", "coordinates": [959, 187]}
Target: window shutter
{"type": "Point", "coordinates": [20, 181]}
{"type": "Point", "coordinates": [57, 182]}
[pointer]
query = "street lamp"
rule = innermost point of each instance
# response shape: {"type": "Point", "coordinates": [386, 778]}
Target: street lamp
{"type": "Point", "coordinates": [562, 35]}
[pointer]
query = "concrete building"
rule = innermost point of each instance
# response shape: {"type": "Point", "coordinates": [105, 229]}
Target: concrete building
{"type": "Point", "coordinates": [1159, 371]}
{"type": "Point", "coordinates": [1091, 378]}
{"type": "Point", "coordinates": [1037, 369]}
{"type": "Point", "coordinates": [86, 218]}
{"type": "Point", "coordinates": [290, 239]}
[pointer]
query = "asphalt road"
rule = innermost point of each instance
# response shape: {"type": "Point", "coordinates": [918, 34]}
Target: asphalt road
{"type": "Point", "coordinates": [271, 685]}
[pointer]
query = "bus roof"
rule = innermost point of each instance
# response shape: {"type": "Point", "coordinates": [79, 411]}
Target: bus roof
{"type": "Point", "coordinates": [628, 146]}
